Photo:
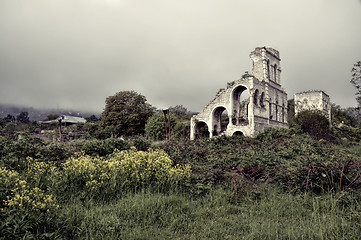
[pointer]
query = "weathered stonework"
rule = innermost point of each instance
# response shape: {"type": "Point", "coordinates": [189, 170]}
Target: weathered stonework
{"type": "Point", "coordinates": [313, 100]}
{"type": "Point", "coordinates": [265, 107]}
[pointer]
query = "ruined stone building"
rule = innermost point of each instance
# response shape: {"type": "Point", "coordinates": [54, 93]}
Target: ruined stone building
{"type": "Point", "coordinates": [313, 100]}
{"type": "Point", "coordinates": [248, 105]}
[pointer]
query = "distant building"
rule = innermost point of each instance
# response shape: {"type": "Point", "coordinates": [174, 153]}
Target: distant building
{"type": "Point", "coordinates": [313, 100]}
{"type": "Point", "coordinates": [66, 119]}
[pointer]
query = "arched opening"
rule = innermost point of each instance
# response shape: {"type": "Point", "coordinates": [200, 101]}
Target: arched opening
{"type": "Point", "coordinates": [201, 130]}
{"type": "Point", "coordinates": [270, 108]}
{"type": "Point", "coordinates": [261, 100]}
{"type": "Point", "coordinates": [240, 101]}
{"type": "Point", "coordinates": [255, 97]}
{"type": "Point", "coordinates": [275, 72]}
{"type": "Point", "coordinates": [220, 120]}
{"type": "Point", "coordinates": [237, 134]}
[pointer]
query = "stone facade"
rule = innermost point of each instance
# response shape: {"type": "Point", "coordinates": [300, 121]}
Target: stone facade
{"type": "Point", "coordinates": [265, 107]}
{"type": "Point", "coordinates": [313, 100]}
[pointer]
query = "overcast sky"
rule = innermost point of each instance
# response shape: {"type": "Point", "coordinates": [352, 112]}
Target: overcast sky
{"type": "Point", "coordinates": [75, 53]}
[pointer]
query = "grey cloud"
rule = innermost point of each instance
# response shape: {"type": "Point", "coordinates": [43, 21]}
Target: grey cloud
{"type": "Point", "coordinates": [76, 53]}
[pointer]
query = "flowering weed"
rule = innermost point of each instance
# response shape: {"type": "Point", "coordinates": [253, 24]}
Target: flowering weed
{"type": "Point", "coordinates": [129, 170]}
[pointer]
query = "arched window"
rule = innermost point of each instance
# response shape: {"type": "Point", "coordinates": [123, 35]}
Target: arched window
{"type": "Point", "coordinates": [261, 100]}
{"type": "Point", "coordinates": [270, 108]}
{"type": "Point", "coordinates": [275, 72]}
{"type": "Point", "coordinates": [201, 130]}
{"type": "Point", "coordinates": [255, 97]}
{"type": "Point", "coordinates": [220, 119]}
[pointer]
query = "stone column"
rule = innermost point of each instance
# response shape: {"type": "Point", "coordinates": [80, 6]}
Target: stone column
{"type": "Point", "coordinates": [210, 130]}
{"type": "Point", "coordinates": [230, 123]}
{"type": "Point", "coordinates": [193, 132]}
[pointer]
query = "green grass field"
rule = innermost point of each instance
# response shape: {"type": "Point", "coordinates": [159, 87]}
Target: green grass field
{"type": "Point", "coordinates": [274, 215]}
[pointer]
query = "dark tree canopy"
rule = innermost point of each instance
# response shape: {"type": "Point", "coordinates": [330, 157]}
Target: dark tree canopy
{"type": "Point", "coordinates": [180, 111]}
{"type": "Point", "coordinates": [23, 117]}
{"type": "Point", "coordinates": [92, 118]}
{"type": "Point", "coordinates": [356, 80]}
{"type": "Point", "coordinates": [348, 116]}
{"type": "Point", "coordinates": [127, 112]}
{"type": "Point", "coordinates": [314, 123]}
{"type": "Point", "coordinates": [9, 118]}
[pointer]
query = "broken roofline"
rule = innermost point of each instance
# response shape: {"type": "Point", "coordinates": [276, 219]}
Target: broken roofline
{"type": "Point", "coordinates": [313, 91]}
{"type": "Point", "coordinates": [267, 101]}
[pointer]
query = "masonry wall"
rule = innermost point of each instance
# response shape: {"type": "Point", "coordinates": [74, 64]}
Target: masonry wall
{"type": "Point", "coordinates": [266, 106]}
{"type": "Point", "coordinates": [313, 100]}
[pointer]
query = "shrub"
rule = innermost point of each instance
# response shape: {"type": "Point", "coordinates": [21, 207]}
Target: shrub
{"type": "Point", "coordinates": [155, 126]}
{"type": "Point", "coordinates": [273, 133]}
{"type": "Point", "coordinates": [348, 132]}
{"type": "Point", "coordinates": [96, 147]}
{"type": "Point", "coordinates": [140, 143]}
{"type": "Point", "coordinates": [181, 129]}
{"type": "Point", "coordinates": [314, 123]}
{"type": "Point", "coordinates": [129, 170]}
{"type": "Point", "coordinates": [25, 209]}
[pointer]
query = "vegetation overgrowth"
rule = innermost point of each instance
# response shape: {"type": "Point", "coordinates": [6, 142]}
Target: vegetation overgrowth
{"type": "Point", "coordinates": [297, 183]}
{"type": "Point", "coordinates": [282, 184]}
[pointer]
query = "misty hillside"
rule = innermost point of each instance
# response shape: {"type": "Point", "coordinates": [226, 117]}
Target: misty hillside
{"type": "Point", "coordinates": [41, 114]}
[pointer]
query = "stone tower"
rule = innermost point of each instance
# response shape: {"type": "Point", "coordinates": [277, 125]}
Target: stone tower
{"type": "Point", "coordinates": [313, 100]}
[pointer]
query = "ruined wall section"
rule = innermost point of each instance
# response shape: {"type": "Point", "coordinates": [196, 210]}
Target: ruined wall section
{"type": "Point", "coordinates": [265, 107]}
{"type": "Point", "coordinates": [266, 65]}
{"type": "Point", "coordinates": [313, 100]}
{"type": "Point", "coordinates": [225, 99]}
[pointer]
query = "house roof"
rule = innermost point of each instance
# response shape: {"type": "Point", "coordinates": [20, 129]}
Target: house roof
{"type": "Point", "coordinates": [71, 119]}
{"type": "Point", "coordinates": [67, 119]}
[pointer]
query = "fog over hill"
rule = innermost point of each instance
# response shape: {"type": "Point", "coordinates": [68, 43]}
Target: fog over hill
{"type": "Point", "coordinates": [41, 114]}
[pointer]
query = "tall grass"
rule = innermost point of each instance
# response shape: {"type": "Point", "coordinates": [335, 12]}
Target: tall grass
{"type": "Point", "coordinates": [303, 189]}
{"type": "Point", "coordinates": [274, 215]}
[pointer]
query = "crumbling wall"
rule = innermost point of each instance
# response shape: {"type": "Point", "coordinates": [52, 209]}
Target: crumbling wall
{"type": "Point", "coordinates": [313, 100]}
{"type": "Point", "coordinates": [265, 107]}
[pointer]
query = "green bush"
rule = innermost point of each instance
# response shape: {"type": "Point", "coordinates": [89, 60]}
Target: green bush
{"type": "Point", "coordinates": [96, 147]}
{"type": "Point", "coordinates": [348, 132]}
{"type": "Point", "coordinates": [140, 143]}
{"type": "Point", "coordinates": [273, 133]}
{"type": "Point", "coordinates": [315, 124]}
{"type": "Point", "coordinates": [181, 130]}
{"type": "Point", "coordinates": [296, 162]}
{"type": "Point", "coordinates": [26, 211]}
{"type": "Point", "coordinates": [155, 126]}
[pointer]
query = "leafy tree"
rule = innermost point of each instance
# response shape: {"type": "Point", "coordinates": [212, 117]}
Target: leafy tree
{"type": "Point", "coordinates": [291, 112]}
{"type": "Point", "coordinates": [347, 116]}
{"type": "Point", "coordinates": [180, 111]}
{"type": "Point", "coordinates": [9, 118]}
{"type": "Point", "coordinates": [356, 80]}
{"type": "Point", "coordinates": [23, 117]}
{"type": "Point", "coordinates": [92, 118]}
{"type": "Point", "coordinates": [127, 112]}
{"type": "Point", "coordinates": [181, 129]}
{"type": "Point", "coordinates": [155, 127]}
{"type": "Point", "coordinates": [314, 123]}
